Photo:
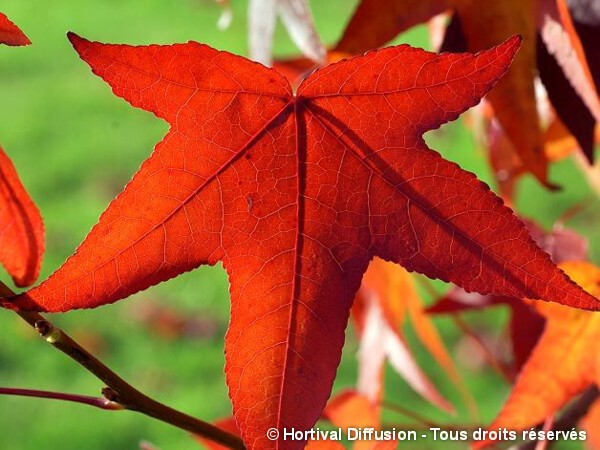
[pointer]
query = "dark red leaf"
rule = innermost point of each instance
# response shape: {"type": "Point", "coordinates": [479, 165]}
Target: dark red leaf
{"type": "Point", "coordinates": [564, 70]}
{"type": "Point", "coordinates": [586, 19]}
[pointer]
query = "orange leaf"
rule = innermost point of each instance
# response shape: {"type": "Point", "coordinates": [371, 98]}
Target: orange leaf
{"type": "Point", "coordinates": [564, 363]}
{"type": "Point", "coordinates": [590, 424]}
{"type": "Point", "coordinates": [351, 409]}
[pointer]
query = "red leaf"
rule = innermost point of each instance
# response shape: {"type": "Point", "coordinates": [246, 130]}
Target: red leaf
{"type": "Point", "coordinates": [21, 229]}
{"type": "Point", "coordinates": [10, 34]}
{"type": "Point", "coordinates": [295, 194]}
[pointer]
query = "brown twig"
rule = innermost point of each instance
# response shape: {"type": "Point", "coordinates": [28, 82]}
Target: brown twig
{"type": "Point", "coordinates": [118, 390]}
{"type": "Point", "coordinates": [408, 413]}
{"type": "Point", "coordinates": [97, 402]}
{"type": "Point", "coordinates": [497, 365]}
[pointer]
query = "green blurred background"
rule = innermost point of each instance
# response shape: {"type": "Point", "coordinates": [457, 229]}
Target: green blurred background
{"type": "Point", "coordinates": [76, 145]}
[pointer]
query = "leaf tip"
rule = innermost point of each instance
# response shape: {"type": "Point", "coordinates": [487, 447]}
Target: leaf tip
{"type": "Point", "coordinates": [23, 41]}
{"type": "Point", "coordinates": [10, 34]}
{"type": "Point", "coordinates": [513, 44]}
{"type": "Point", "coordinates": [76, 40]}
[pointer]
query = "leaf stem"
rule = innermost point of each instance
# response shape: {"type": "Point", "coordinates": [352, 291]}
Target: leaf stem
{"type": "Point", "coordinates": [408, 413]}
{"type": "Point", "coordinates": [98, 402]}
{"type": "Point", "coordinates": [497, 365]}
{"type": "Point", "coordinates": [118, 390]}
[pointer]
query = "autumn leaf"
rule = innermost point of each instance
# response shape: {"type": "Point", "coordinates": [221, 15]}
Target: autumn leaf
{"type": "Point", "coordinates": [480, 25]}
{"type": "Point", "coordinates": [295, 194]}
{"type": "Point", "coordinates": [21, 229]}
{"type": "Point", "coordinates": [563, 364]}
{"type": "Point", "coordinates": [10, 34]}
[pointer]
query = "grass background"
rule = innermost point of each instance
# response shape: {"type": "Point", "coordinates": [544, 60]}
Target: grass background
{"type": "Point", "coordinates": [76, 145]}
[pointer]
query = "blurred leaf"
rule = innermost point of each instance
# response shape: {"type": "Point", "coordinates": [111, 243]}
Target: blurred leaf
{"type": "Point", "coordinates": [351, 409]}
{"type": "Point", "coordinates": [297, 19]}
{"type": "Point", "coordinates": [386, 295]}
{"type": "Point", "coordinates": [564, 363]}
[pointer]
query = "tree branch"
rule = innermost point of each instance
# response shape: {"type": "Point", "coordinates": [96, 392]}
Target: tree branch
{"type": "Point", "coordinates": [118, 390]}
{"type": "Point", "coordinates": [98, 402]}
